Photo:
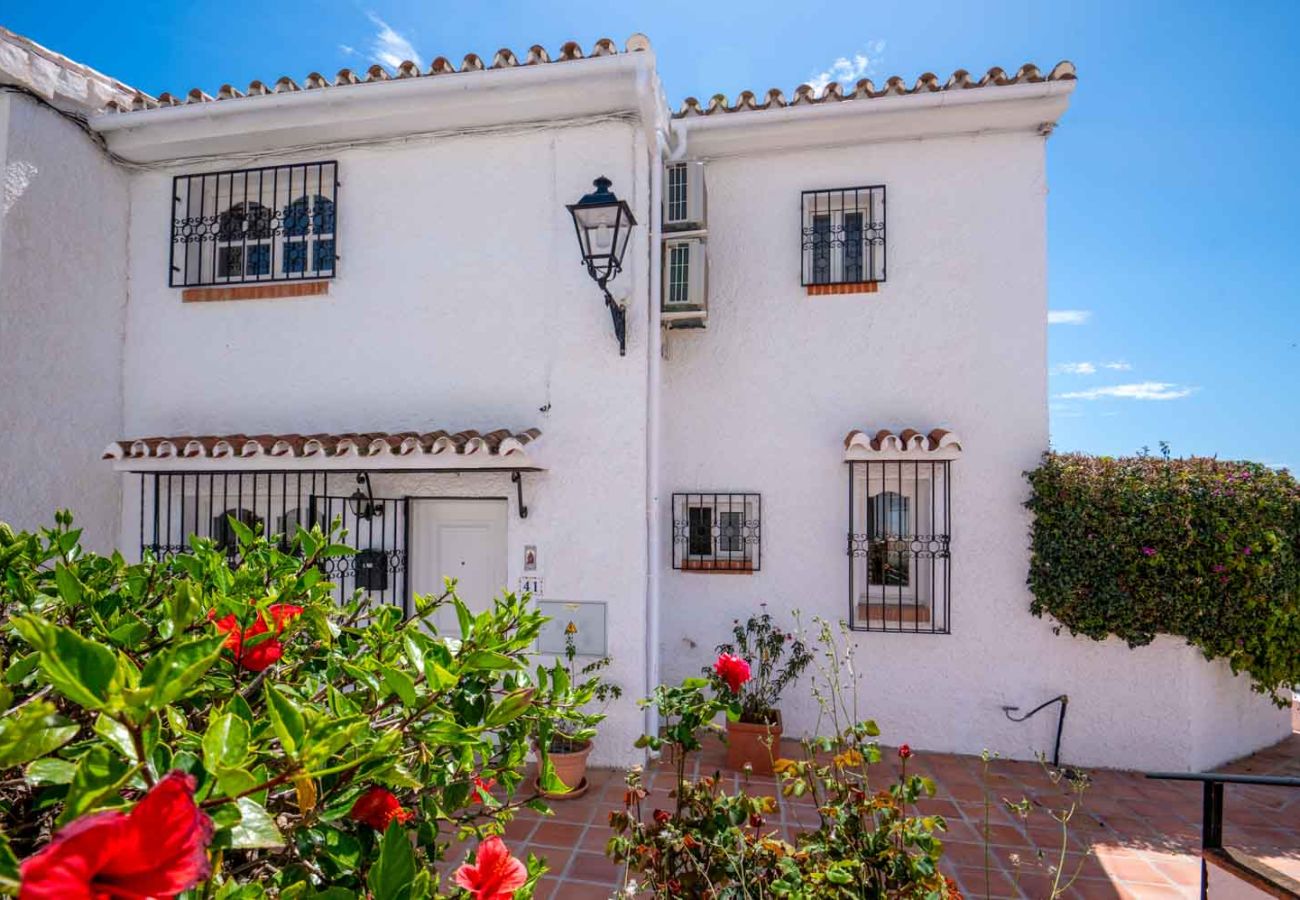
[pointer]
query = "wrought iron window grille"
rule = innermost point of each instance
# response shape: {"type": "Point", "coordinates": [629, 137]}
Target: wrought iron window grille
{"type": "Point", "coordinates": [843, 236]}
{"type": "Point", "coordinates": [268, 224]}
{"type": "Point", "coordinates": [175, 506]}
{"type": "Point", "coordinates": [899, 546]}
{"type": "Point", "coordinates": [717, 531]}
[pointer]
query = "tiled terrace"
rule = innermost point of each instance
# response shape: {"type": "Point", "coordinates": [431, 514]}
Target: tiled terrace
{"type": "Point", "coordinates": [1133, 837]}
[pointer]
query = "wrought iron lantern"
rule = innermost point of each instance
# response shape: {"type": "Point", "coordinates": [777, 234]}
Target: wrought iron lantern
{"type": "Point", "coordinates": [363, 503]}
{"type": "Point", "coordinates": [604, 224]}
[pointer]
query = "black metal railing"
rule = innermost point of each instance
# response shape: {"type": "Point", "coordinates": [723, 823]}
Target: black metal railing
{"type": "Point", "coordinates": [274, 223]}
{"type": "Point", "coordinates": [717, 531]}
{"type": "Point", "coordinates": [176, 505]}
{"type": "Point", "coordinates": [1212, 784]}
{"type": "Point", "coordinates": [900, 562]}
{"type": "Point", "coordinates": [843, 235]}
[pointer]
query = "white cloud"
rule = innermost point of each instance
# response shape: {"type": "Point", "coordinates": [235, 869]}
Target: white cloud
{"type": "Point", "coordinates": [1142, 390]}
{"type": "Point", "coordinates": [347, 50]}
{"type": "Point", "coordinates": [1068, 316]}
{"type": "Point", "coordinates": [1117, 366]}
{"type": "Point", "coordinates": [390, 47]}
{"type": "Point", "coordinates": [847, 70]}
{"type": "Point", "coordinates": [1079, 368]}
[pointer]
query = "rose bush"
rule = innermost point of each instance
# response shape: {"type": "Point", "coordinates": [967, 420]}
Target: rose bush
{"type": "Point", "coordinates": [191, 721]}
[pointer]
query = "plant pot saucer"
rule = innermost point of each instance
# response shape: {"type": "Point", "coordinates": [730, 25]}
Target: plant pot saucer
{"type": "Point", "coordinates": [574, 794]}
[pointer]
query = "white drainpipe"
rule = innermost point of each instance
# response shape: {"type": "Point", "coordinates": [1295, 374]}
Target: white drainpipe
{"type": "Point", "coordinates": [654, 521]}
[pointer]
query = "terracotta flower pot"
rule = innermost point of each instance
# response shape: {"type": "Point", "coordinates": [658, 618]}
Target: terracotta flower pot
{"type": "Point", "coordinates": [571, 768]}
{"type": "Point", "coordinates": [755, 743]}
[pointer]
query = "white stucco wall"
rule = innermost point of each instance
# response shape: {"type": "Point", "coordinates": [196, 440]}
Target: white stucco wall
{"type": "Point", "coordinates": [762, 399]}
{"type": "Point", "coordinates": [62, 303]}
{"type": "Point", "coordinates": [460, 303]}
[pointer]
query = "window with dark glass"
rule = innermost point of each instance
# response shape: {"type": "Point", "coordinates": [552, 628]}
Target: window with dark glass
{"type": "Point", "coordinates": [248, 225]}
{"type": "Point", "coordinates": [717, 531]}
{"type": "Point", "coordinates": [843, 236]}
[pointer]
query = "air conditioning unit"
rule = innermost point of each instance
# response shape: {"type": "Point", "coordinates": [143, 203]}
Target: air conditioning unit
{"type": "Point", "coordinates": [685, 282]}
{"type": "Point", "coordinates": [684, 199]}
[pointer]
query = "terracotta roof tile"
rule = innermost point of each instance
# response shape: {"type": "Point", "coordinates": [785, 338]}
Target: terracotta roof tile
{"type": "Point", "coordinates": [502, 59]}
{"type": "Point", "coordinates": [861, 444]}
{"type": "Point", "coordinates": [867, 90]}
{"type": "Point", "coordinates": [500, 443]}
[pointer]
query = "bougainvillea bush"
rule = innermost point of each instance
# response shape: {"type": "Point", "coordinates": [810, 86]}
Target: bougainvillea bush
{"type": "Point", "coordinates": [1198, 548]}
{"type": "Point", "coordinates": [191, 727]}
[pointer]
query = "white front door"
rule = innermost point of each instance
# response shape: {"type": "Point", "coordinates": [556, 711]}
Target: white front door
{"type": "Point", "coordinates": [461, 539]}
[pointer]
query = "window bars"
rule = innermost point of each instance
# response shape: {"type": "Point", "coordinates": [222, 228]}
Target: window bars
{"type": "Point", "coordinates": [174, 506]}
{"type": "Point", "coordinates": [275, 223]}
{"type": "Point", "coordinates": [717, 531]}
{"type": "Point", "coordinates": [843, 236]}
{"type": "Point", "coordinates": [900, 567]}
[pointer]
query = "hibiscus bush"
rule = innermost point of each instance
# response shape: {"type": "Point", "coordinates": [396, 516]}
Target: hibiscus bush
{"type": "Point", "coordinates": [1203, 549]}
{"type": "Point", "coordinates": [196, 727]}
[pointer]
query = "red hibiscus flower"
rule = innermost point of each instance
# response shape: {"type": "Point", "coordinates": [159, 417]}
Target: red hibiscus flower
{"type": "Point", "coordinates": [257, 655]}
{"type": "Point", "coordinates": [377, 807]}
{"type": "Point", "coordinates": [482, 788]}
{"type": "Point", "coordinates": [495, 874]}
{"type": "Point", "coordinates": [733, 670]}
{"type": "Point", "coordinates": [158, 849]}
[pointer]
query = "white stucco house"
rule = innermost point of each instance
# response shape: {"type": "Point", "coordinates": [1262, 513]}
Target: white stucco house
{"type": "Point", "coordinates": [366, 296]}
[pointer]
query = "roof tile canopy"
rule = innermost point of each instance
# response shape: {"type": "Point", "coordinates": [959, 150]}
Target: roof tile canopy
{"type": "Point", "coordinates": [906, 444]}
{"type": "Point", "coordinates": [353, 450]}
{"type": "Point", "coordinates": [866, 90]}
{"type": "Point", "coordinates": [503, 59]}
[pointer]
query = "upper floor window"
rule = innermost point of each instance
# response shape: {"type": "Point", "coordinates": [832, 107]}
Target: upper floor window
{"type": "Point", "coordinates": [843, 237]}
{"type": "Point", "coordinates": [274, 223]}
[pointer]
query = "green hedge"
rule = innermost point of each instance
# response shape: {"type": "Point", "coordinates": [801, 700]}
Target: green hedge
{"type": "Point", "coordinates": [1199, 548]}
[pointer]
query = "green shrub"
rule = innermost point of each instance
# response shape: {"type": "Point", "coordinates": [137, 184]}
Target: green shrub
{"type": "Point", "coordinates": [1198, 548]}
{"type": "Point", "coordinates": [338, 749]}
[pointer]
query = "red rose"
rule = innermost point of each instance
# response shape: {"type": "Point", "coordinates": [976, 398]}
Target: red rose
{"type": "Point", "coordinates": [733, 670]}
{"type": "Point", "coordinates": [158, 849]}
{"type": "Point", "coordinates": [377, 807]}
{"type": "Point", "coordinates": [260, 654]}
{"type": "Point", "coordinates": [494, 875]}
{"type": "Point", "coordinates": [904, 752]}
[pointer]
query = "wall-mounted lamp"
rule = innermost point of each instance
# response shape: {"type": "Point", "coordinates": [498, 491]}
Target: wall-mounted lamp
{"type": "Point", "coordinates": [362, 503]}
{"type": "Point", "coordinates": [604, 224]}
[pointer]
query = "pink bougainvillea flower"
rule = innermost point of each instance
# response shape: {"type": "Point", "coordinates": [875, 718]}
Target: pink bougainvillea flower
{"type": "Point", "coordinates": [1148, 551]}
{"type": "Point", "coordinates": [494, 875]}
{"type": "Point", "coordinates": [377, 807]}
{"type": "Point", "coordinates": [482, 789]}
{"type": "Point", "coordinates": [157, 850]}
{"type": "Point", "coordinates": [733, 670]}
{"type": "Point", "coordinates": [258, 655]}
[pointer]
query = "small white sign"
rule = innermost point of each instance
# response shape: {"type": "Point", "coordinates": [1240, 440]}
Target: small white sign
{"type": "Point", "coordinates": [531, 584]}
{"type": "Point", "coordinates": [587, 618]}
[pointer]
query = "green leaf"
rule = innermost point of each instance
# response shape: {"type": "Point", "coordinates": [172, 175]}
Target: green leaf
{"type": "Point", "coordinates": [286, 719]}
{"type": "Point", "coordinates": [512, 706]}
{"type": "Point", "coordinates": [233, 782]}
{"type": "Point", "coordinates": [402, 685]}
{"type": "Point", "coordinates": [170, 674]}
{"type": "Point", "coordinates": [80, 669]}
{"type": "Point", "coordinates": [117, 734]}
{"type": "Point", "coordinates": [69, 587]}
{"type": "Point", "coordinates": [439, 678]}
{"type": "Point", "coordinates": [31, 732]}
{"type": "Point", "coordinates": [414, 649]}
{"type": "Point", "coordinates": [255, 828]}
{"type": "Point", "coordinates": [391, 876]}
{"type": "Point", "coordinates": [22, 667]}
{"type": "Point", "coordinates": [50, 770]}
{"type": "Point", "coordinates": [8, 862]}
{"type": "Point", "coordinates": [225, 743]}
{"type": "Point", "coordinates": [100, 775]}
{"type": "Point", "coordinates": [488, 659]}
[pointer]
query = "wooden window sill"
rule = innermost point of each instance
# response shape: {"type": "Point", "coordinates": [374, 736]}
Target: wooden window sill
{"type": "Point", "coordinates": [856, 287]}
{"type": "Point", "coordinates": [905, 613]}
{"type": "Point", "coordinates": [278, 291]}
{"type": "Point", "coordinates": [718, 567]}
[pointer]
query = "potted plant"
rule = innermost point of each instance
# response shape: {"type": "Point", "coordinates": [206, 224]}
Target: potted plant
{"type": "Point", "coordinates": [567, 753]}
{"type": "Point", "coordinates": [758, 663]}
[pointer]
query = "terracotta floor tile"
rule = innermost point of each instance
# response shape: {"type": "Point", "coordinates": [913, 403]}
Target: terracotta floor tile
{"type": "Point", "coordinates": [593, 867]}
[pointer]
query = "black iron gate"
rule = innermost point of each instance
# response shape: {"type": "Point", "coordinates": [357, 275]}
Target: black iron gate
{"type": "Point", "coordinates": [175, 505]}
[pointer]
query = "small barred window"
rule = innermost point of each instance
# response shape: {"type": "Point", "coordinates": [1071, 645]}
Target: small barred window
{"type": "Point", "coordinates": [716, 531]}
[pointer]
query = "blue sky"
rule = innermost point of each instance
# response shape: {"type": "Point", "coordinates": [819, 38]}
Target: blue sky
{"type": "Point", "coordinates": [1174, 190]}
